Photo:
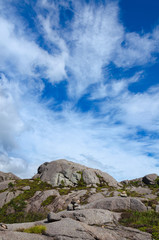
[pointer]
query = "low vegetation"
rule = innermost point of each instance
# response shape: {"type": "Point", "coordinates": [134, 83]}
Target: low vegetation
{"type": "Point", "coordinates": [13, 211]}
{"type": "Point", "coordinates": [39, 229]}
{"type": "Point", "coordinates": [48, 200]}
{"type": "Point", "coordinates": [144, 221]}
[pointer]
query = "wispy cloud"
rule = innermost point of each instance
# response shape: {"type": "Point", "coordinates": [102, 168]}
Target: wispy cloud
{"type": "Point", "coordinates": [78, 50]}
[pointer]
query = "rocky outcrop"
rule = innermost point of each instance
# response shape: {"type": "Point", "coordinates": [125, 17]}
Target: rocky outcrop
{"type": "Point", "coordinates": [66, 173]}
{"type": "Point", "coordinates": [80, 225]}
{"type": "Point", "coordinates": [118, 204]}
{"type": "Point", "coordinates": [4, 185]}
{"type": "Point", "coordinates": [92, 217]}
{"type": "Point", "coordinates": [35, 203]}
{"type": "Point", "coordinates": [7, 176]}
{"type": "Point", "coordinates": [150, 179]}
{"type": "Point", "coordinates": [6, 197]}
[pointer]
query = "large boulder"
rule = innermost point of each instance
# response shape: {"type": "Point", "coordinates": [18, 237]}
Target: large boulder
{"type": "Point", "coordinates": [92, 217]}
{"type": "Point", "coordinates": [66, 173]}
{"type": "Point", "coordinates": [150, 179]}
{"type": "Point", "coordinates": [68, 229]}
{"type": "Point", "coordinates": [118, 204]}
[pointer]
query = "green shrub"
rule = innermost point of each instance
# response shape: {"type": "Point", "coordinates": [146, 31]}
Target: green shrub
{"type": "Point", "coordinates": [64, 191]}
{"type": "Point", "coordinates": [81, 182]}
{"type": "Point", "coordinates": [48, 200]}
{"type": "Point", "coordinates": [39, 229]}
{"type": "Point", "coordinates": [10, 185]}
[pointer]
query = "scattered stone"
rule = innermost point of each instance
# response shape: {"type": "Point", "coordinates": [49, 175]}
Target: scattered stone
{"type": "Point", "coordinates": [26, 188]}
{"type": "Point", "coordinates": [157, 208]}
{"type": "Point", "coordinates": [123, 194]}
{"type": "Point", "coordinates": [53, 217]}
{"type": "Point", "coordinates": [3, 226]}
{"type": "Point", "coordinates": [70, 207]}
{"type": "Point", "coordinates": [149, 208]}
{"type": "Point", "coordinates": [74, 205]}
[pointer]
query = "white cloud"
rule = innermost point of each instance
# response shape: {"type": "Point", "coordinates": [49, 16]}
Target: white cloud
{"type": "Point", "coordinates": [22, 55]}
{"type": "Point", "coordinates": [31, 133]}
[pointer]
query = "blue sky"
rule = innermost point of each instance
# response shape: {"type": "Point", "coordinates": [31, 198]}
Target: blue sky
{"type": "Point", "coordinates": [79, 80]}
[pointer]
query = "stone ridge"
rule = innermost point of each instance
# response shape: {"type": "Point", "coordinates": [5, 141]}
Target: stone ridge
{"type": "Point", "coordinates": [67, 173]}
{"type": "Point", "coordinates": [7, 176]}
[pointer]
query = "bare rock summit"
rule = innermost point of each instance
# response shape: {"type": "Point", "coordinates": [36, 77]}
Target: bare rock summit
{"type": "Point", "coordinates": [66, 173]}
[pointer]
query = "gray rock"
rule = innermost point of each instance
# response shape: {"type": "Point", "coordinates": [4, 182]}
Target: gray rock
{"type": "Point", "coordinates": [9, 235]}
{"type": "Point", "coordinates": [70, 207]}
{"type": "Point", "coordinates": [92, 216]}
{"type": "Point", "coordinates": [7, 196]}
{"type": "Point", "coordinates": [34, 204]}
{"type": "Point", "coordinates": [90, 224]}
{"type": "Point", "coordinates": [7, 176]}
{"type": "Point", "coordinates": [95, 197]}
{"type": "Point", "coordinates": [157, 208]}
{"type": "Point", "coordinates": [149, 208]}
{"type": "Point", "coordinates": [150, 179]}
{"type": "Point", "coordinates": [53, 217]}
{"type": "Point", "coordinates": [90, 177]}
{"type": "Point", "coordinates": [118, 204]}
{"type": "Point", "coordinates": [4, 185]}
{"type": "Point", "coordinates": [68, 229]}
{"type": "Point", "coordinates": [137, 205]}
{"type": "Point", "coordinates": [150, 196]}
{"type": "Point", "coordinates": [63, 172]}
{"type": "Point", "coordinates": [140, 190]}
{"type": "Point", "coordinates": [26, 188]}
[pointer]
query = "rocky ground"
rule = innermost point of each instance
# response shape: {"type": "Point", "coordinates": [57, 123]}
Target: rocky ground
{"type": "Point", "coordinates": [80, 202]}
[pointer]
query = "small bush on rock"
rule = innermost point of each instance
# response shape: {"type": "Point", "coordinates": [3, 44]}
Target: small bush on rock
{"type": "Point", "coordinates": [48, 200]}
{"type": "Point", "coordinates": [39, 229]}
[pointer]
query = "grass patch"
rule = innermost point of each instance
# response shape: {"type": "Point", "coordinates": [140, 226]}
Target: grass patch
{"type": "Point", "coordinates": [81, 182]}
{"type": "Point", "coordinates": [144, 221]}
{"type": "Point", "coordinates": [48, 200]}
{"type": "Point", "coordinates": [84, 198]}
{"type": "Point", "coordinates": [64, 191]}
{"type": "Point", "coordinates": [39, 229]}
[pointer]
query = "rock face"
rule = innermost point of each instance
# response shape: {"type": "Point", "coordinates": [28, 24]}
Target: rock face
{"type": "Point", "coordinates": [63, 172]}
{"type": "Point", "coordinates": [7, 196]}
{"type": "Point", "coordinates": [7, 176]}
{"type": "Point", "coordinates": [118, 204]}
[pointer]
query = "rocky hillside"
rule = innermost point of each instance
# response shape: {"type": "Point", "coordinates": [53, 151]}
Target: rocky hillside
{"type": "Point", "coordinates": [66, 173]}
{"type": "Point", "coordinates": [81, 203]}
